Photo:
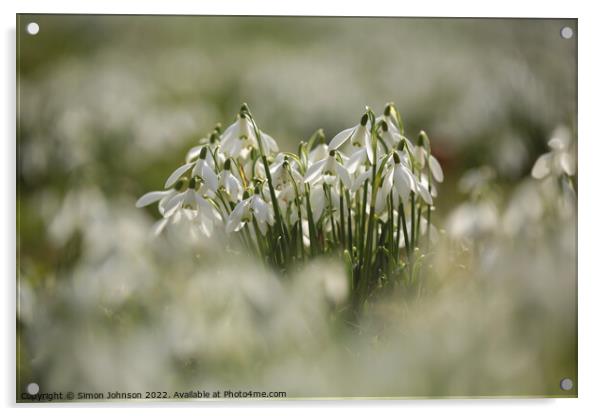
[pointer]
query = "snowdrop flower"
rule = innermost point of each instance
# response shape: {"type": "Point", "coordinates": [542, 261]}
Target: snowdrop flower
{"type": "Point", "coordinates": [359, 136]}
{"type": "Point", "coordinates": [399, 179]}
{"type": "Point", "coordinates": [473, 220]}
{"type": "Point", "coordinates": [162, 196]}
{"type": "Point", "coordinates": [391, 137]}
{"type": "Point", "coordinates": [194, 207]}
{"type": "Point", "coordinates": [228, 183]}
{"type": "Point", "coordinates": [239, 138]}
{"type": "Point", "coordinates": [328, 169]}
{"type": "Point", "coordinates": [248, 208]}
{"type": "Point", "coordinates": [282, 170]}
{"type": "Point", "coordinates": [389, 118]}
{"type": "Point", "coordinates": [201, 168]}
{"type": "Point", "coordinates": [422, 155]}
{"type": "Point", "coordinates": [320, 196]}
{"type": "Point", "coordinates": [318, 153]}
{"type": "Point", "coordinates": [559, 160]}
{"type": "Point", "coordinates": [212, 142]}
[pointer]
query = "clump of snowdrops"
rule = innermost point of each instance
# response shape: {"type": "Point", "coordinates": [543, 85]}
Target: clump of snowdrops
{"type": "Point", "coordinates": [367, 196]}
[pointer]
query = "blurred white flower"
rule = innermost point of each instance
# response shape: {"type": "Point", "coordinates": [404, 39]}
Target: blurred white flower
{"type": "Point", "coordinates": [229, 183]}
{"type": "Point", "coordinates": [202, 168]}
{"type": "Point", "coordinates": [239, 138]}
{"type": "Point", "coordinates": [559, 160]}
{"type": "Point", "coordinates": [328, 170]}
{"type": "Point", "coordinates": [358, 136]}
{"type": "Point", "coordinates": [245, 210]}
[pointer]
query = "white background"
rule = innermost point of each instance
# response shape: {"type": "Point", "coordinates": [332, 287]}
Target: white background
{"type": "Point", "coordinates": [590, 214]}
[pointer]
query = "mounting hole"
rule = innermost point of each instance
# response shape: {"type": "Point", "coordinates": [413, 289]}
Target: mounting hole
{"type": "Point", "coordinates": [33, 28]}
{"type": "Point", "coordinates": [33, 388]}
{"type": "Point", "coordinates": [566, 32]}
{"type": "Point", "coordinates": [566, 384]}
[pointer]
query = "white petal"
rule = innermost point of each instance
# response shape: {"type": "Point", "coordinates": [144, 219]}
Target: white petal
{"type": "Point", "coordinates": [193, 152]}
{"type": "Point", "coordinates": [151, 197]}
{"type": "Point", "coordinates": [424, 193]}
{"type": "Point", "coordinates": [435, 168]}
{"type": "Point", "coordinates": [173, 204]}
{"type": "Point", "coordinates": [359, 181]}
{"type": "Point", "coordinates": [234, 221]}
{"type": "Point", "coordinates": [159, 226]}
{"type": "Point", "coordinates": [341, 138]}
{"type": "Point", "coordinates": [542, 166]}
{"type": "Point", "coordinates": [369, 149]}
{"type": "Point", "coordinates": [355, 160]}
{"type": "Point", "coordinates": [388, 182]}
{"type": "Point", "coordinates": [177, 173]}
{"type": "Point", "coordinates": [343, 174]}
{"type": "Point", "coordinates": [209, 177]}
{"type": "Point", "coordinates": [317, 199]}
{"type": "Point", "coordinates": [263, 227]}
{"type": "Point", "coordinates": [566, 163]}
{"type": "Point", "coordinates": [269, 142]}
{"type": "Point", "coordinates": [315, 170]}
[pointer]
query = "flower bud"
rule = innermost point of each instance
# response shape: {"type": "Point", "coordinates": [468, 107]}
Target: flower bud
{"type": "Point", "coordinates": [364, 119]}
{"type": "Point", "coordinates": [423, 139]}
{"type": "Point", "coordinates": [388, 109]}
{"type": "Point", "coordinates": [181, 183]}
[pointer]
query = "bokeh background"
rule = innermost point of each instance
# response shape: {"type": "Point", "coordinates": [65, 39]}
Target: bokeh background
{"type": "Point", "coordinates": [107, 107]}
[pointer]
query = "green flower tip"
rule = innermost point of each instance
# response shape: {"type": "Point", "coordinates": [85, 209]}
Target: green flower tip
{"type": "Point", "coordinates": [364, 119]}
{"type": "Point", "coordinates": [384, 126]}
{"type": "Point", "coordinates": [180, 183]}
{"type": "Point", "coordinates": [388, 109]}
{"type": "Point", "coordinates": [422, 139]}
{"type": "Point", "coordinates": [321, 136]}
{"type": "Point", "coordinates": [203, 153]}
{"type": "Point", "coordinates": [192, 183]}
{"type": "Point", "coordinates": [332, 153]}
{"type": "Point", "coordinates": [227, 164]}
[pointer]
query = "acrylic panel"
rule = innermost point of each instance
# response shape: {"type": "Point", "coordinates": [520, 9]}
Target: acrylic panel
{"type": "Point", "coordinates": [226, 208]}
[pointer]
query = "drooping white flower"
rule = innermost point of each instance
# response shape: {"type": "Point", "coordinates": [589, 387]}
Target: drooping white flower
{"type": "Point", "coordinates": [229, 183]}
{"type": "Point", "coordinates": [212, 142]}
{"type": "Point", "coordinates": [358, 136]}
{"type": "Point", "coordinates": [239, 138]}
{"type": "Point", "coordinates": [191, 205]}
{"type": "Point", "coordinates": [558, 160]}
{"type": "Point", "coordinates": [319, 197]}
{"type": "Point", "coordinates": [245, 210]}
{"type": "Point", "coordinates": [318, 153]}
{"type": "Point", "coordinates": [162, 196]}
{"type": "Point", "coordinates": [399, 179]}
{"type": "Point", "coordinates": [425, 159]}
{"type": "Point", "coordinates": [328, 170]}
{"type": "Point", "coordinates": [202, 168]}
